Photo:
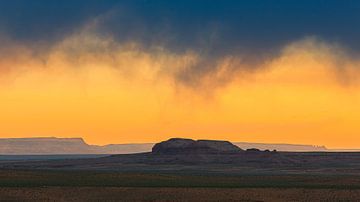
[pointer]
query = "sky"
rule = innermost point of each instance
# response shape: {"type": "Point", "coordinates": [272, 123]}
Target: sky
{"type": "Point", "coordinates": [130, 71]}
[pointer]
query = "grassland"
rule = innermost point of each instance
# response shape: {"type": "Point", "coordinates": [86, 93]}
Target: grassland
{"type": "Point", "coordinates": [41, 178]}
{"type": "Point", "coordinates": [143, 177]}
{"type": "Point", "coordinates": [50, 185]}
{"type": "Point", "coordinates": [69, 194]}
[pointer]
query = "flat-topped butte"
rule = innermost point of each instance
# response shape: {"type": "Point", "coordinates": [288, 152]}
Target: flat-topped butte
{"type": "Point", "coordinates": [188, 146]}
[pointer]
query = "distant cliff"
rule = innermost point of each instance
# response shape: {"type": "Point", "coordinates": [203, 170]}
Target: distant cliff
{"type": "Point", "coordinates": [281, 147]}
{"type": "Point", "coordinates": [52, 145]}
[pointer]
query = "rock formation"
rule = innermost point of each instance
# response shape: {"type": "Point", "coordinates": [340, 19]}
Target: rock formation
{"type": "Point", "coordinates": [52, 145]}
{"type": "Point", "coordinates": [189, 146]}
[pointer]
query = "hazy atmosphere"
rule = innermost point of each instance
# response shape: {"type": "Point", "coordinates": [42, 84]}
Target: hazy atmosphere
{"type": "Point", "coordinates": [180, 100]}
{"type": "Point", "coordinates": [141, 71]}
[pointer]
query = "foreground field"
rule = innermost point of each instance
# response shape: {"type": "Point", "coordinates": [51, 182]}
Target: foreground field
{"type": "Point", "coordinates": [55, 185]}
{"type": "Point", "coordinates": [243, 163]}
{"type": "Point", "coordinates": [43, 178]}
{"type": "Point", "coordinates": [174, 194]}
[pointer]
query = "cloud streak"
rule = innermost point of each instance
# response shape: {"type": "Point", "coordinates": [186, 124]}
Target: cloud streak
{"type": "Point", "coordinates": [194, 69]}
{"type": "Point", "coordinates": [197, 43]}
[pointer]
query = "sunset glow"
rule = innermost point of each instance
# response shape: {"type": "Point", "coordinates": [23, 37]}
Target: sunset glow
{"type": "Point", "coordinates": [308, 94]}
{"type": "Point", "coordinates": [109, 89]}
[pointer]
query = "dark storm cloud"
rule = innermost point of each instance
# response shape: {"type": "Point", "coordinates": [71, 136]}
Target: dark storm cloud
{"type": "Point", "coordinates": [223, 25]}
{"type": "Point", "coordinates": [46, 20]}
{"type": "Point", "coordinates": [214, 29]}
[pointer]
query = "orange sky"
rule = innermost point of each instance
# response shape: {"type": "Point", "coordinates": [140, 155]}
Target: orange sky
{"type": "Point", "coordinates": [308, 94]}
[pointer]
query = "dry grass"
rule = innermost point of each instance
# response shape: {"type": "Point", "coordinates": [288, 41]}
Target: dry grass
{"type": "Point", "coordinates": [43, 185]}
{"type": "Point", "coordinates": [174, 194]}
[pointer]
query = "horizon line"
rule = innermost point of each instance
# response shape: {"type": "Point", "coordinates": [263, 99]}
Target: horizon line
{"type": "Point", "coordinates": [246, 142]}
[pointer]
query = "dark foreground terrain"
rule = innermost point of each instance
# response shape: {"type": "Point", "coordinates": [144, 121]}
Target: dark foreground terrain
{"type": "Point", "coordinates": [174, 194]}
{"type": "Point", "coordinates": [40, 185]}
{"type": "Point", "coordinates": [185, 170]}
{"type": "Point", "coordinates": [165, 182]}
{"type": "Point", "coordinates": [254, 163]}
{"type": "Point", "coordinates": [46, 178]}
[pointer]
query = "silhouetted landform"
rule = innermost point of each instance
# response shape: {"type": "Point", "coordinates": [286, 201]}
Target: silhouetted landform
{"type": "Point", "coordinates": [207, 156]}
{"type": "Point", "coordinates": [175, 151]}
{"type": "Point", "coordinates": [52, 145]}
{"type": "Point", "coordinates": [281, 147]}
{"type": "Point", "coordinates": [189, 146]}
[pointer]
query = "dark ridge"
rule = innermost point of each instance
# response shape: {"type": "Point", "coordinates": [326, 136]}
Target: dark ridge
{"type": "Point", "coordinates": [189, 146]}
